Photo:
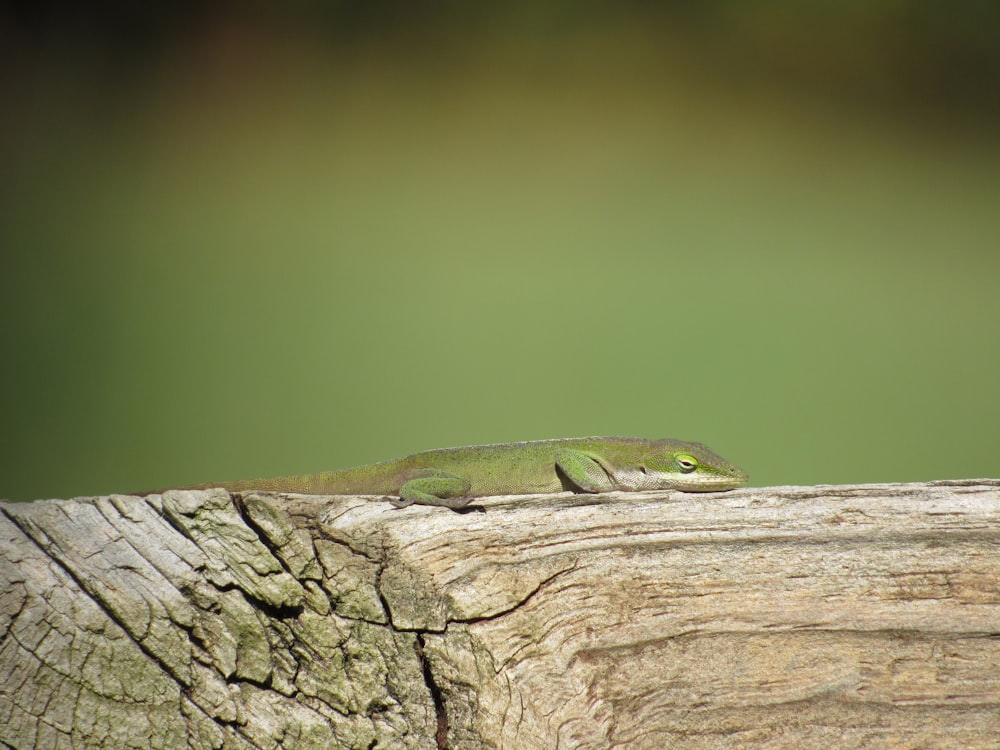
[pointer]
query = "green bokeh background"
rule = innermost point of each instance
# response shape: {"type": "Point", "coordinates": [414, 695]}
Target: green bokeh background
{"type": "Point", "coordinates": [246, 243]}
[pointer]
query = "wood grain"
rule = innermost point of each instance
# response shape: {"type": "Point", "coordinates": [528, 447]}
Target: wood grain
{"type": "Point", "coordinates": [782, 617]}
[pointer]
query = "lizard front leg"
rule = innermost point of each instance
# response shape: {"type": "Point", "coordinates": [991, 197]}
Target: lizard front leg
{"type": "Point", "coordinates": [583, 471]}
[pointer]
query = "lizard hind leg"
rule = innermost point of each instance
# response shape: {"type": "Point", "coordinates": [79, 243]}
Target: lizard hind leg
{"type": "Point", "coordinates": [434, 487]}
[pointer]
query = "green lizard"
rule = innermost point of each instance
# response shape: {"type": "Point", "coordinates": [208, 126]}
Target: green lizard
{"type": "Point", "coordinates": [452, 477]}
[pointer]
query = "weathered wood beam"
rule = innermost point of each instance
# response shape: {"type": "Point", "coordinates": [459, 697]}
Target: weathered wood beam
{"type": "Point", "coordinates": [780, 617]}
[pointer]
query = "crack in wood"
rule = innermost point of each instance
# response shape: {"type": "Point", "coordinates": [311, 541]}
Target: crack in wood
{"type": "Point", "coordinates": [441, 735]}
{"type": "Point", "coordinates": [516, 605]}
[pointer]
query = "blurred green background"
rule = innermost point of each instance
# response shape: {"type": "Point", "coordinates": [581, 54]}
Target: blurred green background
{"type": "Point", "coordinates": [243, 241]}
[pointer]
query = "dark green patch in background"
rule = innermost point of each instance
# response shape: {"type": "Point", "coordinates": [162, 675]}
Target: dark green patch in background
{"type": "Point", "coordinates": [237, 245]}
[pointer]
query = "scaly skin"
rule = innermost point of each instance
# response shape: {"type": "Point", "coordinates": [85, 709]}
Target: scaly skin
{"type": "Point", "coordinates": [452, 477]}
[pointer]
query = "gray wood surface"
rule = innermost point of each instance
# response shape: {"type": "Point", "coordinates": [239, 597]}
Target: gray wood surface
{"type": "Point", "coordinates": [781, 617]}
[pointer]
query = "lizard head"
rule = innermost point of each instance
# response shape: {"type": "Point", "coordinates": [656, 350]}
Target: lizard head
{"type": "Point", "coordinates": [675, 465]}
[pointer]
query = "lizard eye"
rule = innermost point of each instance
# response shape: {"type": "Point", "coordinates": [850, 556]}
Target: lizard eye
{"type": "Point", "coordinates": [686, 463]}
